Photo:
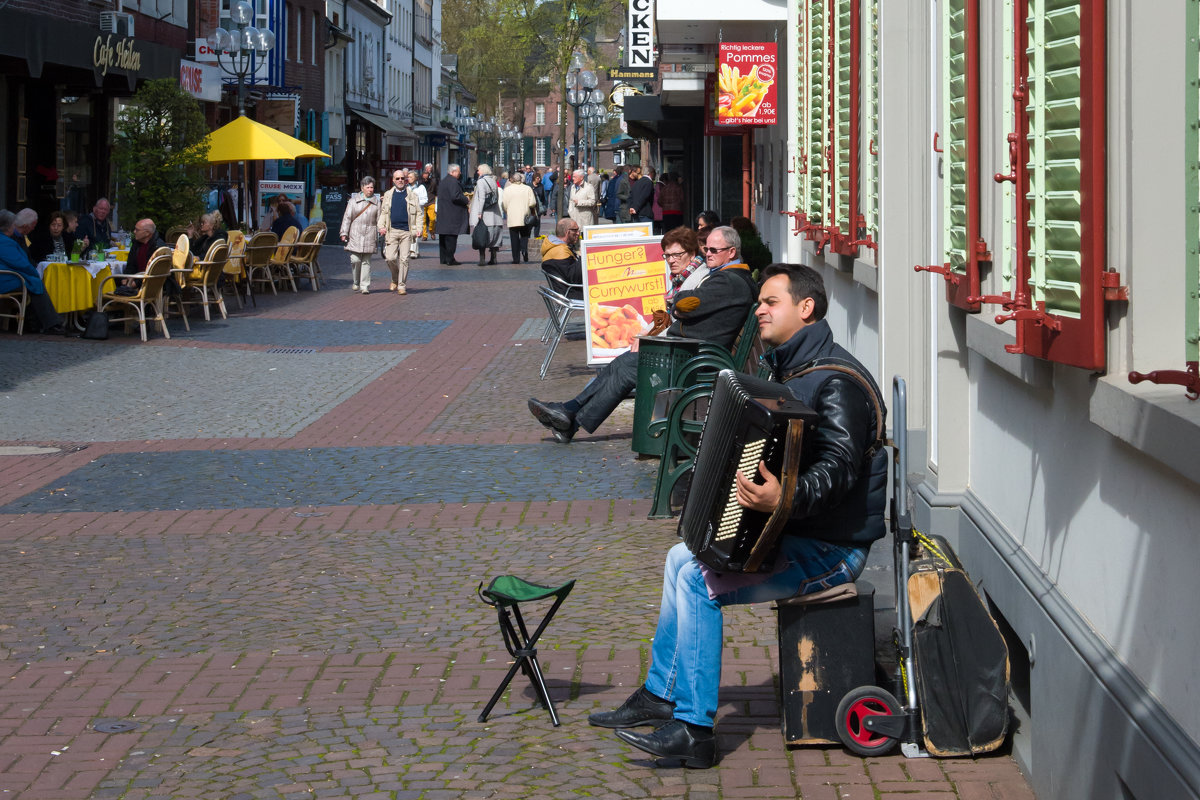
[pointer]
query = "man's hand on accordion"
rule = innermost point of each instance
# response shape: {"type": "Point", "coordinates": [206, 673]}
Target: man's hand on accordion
{"type": "Point", "coordinates": [759, 497]}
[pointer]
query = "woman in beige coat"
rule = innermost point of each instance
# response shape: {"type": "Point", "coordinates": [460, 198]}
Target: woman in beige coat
{"type": "Point", "coordinates": [519, 201]}
{"type": "Point", "coordinates": [359, 225]}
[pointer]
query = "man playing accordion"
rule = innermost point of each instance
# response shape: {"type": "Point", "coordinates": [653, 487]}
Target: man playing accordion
{"type": "Point", "coordinates": [836, 513]}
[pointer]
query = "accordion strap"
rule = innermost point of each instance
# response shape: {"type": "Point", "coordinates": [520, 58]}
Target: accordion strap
{"type": "Point", "coordinates": [868, 387]}
{"type": "Point", "coordinates": [789, 474]}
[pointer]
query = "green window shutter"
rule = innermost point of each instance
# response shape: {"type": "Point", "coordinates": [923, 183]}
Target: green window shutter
{"type": "Point", "coordinates": [1063, 196]}
{"type": "Point", "coordinates": [814, 116]}
{"type": "Point", "coordinates": [527, 143]}
{"type": "Point", "coordinates": [1192, 179]}
{"type": "Point", "coordinates": [843, 108]}
{"type": "Point", "coordinates": [870, 129]}
{"type": "Point", "coordinates": [1189, 378]}
{"type": "Point", "coordinates": [960, 157]}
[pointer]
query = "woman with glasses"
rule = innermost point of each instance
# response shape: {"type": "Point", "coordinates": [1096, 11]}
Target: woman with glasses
{"type": "Point", "coordinates": [681, 251]}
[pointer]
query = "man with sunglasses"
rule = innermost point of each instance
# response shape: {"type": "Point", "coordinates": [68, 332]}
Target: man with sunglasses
{"type": "Point", "coordinates": [715, 310]}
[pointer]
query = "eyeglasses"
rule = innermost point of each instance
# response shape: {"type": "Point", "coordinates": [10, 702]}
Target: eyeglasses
{"type": "Point", "coordinates": [397, 177]}
{"type": "Point", "coordinates": [711, 250]}
{"type": "Point", "coordinates": [674, 256]}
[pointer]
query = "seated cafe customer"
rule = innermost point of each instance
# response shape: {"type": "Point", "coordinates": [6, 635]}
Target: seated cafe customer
{"type": "Point", "coordinates": [287, 219]}
{"type": "Point", "coordinates": [211, 229]}
{"type": "Point", "coordinates": [145, 242]}
{"type": "Point", "coordinates": [12, 257]}
{"type": "Point", "coordinates": [715, 310]}
{"type": "Point", "coordinates": [95, 227]}
{"type": "Point", "coordinates": [54, 242]}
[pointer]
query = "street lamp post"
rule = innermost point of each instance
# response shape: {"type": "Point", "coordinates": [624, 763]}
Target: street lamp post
{"type": "Point", "coordinates": [240, 46]}
{"type": "Point", "coordinates": [581, 90]}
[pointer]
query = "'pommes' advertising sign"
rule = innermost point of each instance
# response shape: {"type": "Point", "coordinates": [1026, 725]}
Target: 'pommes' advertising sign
{"type": "Point", "coordinates": [746, 74]}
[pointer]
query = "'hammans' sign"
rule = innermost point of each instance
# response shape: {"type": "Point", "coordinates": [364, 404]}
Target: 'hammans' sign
{"type": "Point", "coordinates": [640, 49]}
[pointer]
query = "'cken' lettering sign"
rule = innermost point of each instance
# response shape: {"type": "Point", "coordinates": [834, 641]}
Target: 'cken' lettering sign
{"type": "Point", "coordinates": [640, 52]}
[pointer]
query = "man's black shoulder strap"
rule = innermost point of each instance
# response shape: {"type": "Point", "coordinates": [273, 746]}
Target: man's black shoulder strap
{"type": "Point", "coordinates": [841, 365]}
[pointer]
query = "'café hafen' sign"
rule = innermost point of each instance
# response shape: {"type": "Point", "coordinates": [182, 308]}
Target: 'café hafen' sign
{"type": "Point", "coordinates": [640, 51]}
{"type": "Point", "coordinates": [121, 56]}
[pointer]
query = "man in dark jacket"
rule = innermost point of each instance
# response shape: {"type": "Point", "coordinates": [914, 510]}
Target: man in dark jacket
{"type": "Point", "coordinates": [560, 255]}
{"type": "Point", "coordinates": [836, 513]}
{"type": "Point", "coordinates": [452, 209]}
{"type": "Point", "coordinates": [715, 310]}
{"type": "Point", "coordinates": [95, 226]}
{"type": "Point", "coordinates": [641, 197]}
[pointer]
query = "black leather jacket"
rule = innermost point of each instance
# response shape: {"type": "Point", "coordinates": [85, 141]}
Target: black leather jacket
{"type": "Point", "coordinates": [842, 490]}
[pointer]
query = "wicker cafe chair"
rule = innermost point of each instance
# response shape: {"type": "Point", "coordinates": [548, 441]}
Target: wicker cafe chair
{"type": "Point", "coordinates": [281, 267]}
{"type": "Point", "coordinates": [174, 233]}
{"type": "Point", "coordinates": [235, 269]}
{"type": "Point", "coordinates": [303, 257]}
{"type": "Point", "coordinates": [149, 295]}
{"type": "Point", "coordinates": [19, 298]}
{"type": "Point", "coordinates": [257, 258]}
{"type": "Point", "coordinates": [200, 286]}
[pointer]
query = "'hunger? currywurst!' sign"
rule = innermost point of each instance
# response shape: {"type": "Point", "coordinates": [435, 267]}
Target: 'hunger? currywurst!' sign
{"type": "Point", "coordinates": [746, 83]}
{"type": "Point", "coordinates": [624, 283]}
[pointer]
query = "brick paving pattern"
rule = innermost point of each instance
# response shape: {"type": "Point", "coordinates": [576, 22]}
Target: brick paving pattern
{"type": "Point", "coordinates": [265, 565]}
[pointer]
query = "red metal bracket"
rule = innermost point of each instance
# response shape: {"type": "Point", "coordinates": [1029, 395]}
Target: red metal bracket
{"type": "Point", "coordinates": [792, 171]}
{"type": "Point", "coordinates": [798, 220]}
{"type": "Point", "coordinates": [828, 159]}
{"type": "Point", "coordinates": [825, 238]}
{"type": "Point", "coordinates": [952, 277]}
{"type": "Point", "coordinates": [1011, 177]}
{"type": "Point", "coordinates": [936, 149]}
{"type": "Point", "coordinates": [1114, 292]}
{"type": "Point", "coordinates": [871, 148]}
{"type": "Point", "coordinates": [1004, 301]}
{"type": "Point", "coordinates": [1189, 380]}
{"type": "Point", "coordinates": [1034, 315]}
{"type": "Point", "coordinates": [1014, 152]}
{"type": "Point", "coordinates": [860, 225]}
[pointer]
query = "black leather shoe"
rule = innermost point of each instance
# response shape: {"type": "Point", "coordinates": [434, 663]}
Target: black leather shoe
{"type": "Point", "coordinates": [565, 437]}
{"type": "Point", "coordinates": [552, 415]}
{"type": "Point", "coordinates": [694, 745]}
{"type": "Point", "coordinates": [55, 330]}
{"type": "Point", "coordinates": [642, 708]}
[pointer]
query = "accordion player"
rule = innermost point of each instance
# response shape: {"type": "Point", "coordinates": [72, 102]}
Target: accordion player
{"type": "Point", "coordinates": [749, 420]}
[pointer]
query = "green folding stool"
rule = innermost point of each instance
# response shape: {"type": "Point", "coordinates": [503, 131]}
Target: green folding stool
{"type": "Point", "coordinates": [505, 593]}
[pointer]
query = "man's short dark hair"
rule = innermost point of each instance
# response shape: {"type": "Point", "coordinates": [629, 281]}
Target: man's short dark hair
{"type": "Point", "coordinates": [802, 282]}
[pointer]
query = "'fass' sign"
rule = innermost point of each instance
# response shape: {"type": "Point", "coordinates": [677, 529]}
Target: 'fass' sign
{"type": "Point", "coordinates": [640, 52]}
{"type": "Point", "coordinates": [746, 73]}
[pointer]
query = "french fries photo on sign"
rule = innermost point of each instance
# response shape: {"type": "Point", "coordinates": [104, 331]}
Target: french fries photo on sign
{"type": "Point", "coordinates": [746, 73]}
{"type": "Point", "coordinates": [624, 283]}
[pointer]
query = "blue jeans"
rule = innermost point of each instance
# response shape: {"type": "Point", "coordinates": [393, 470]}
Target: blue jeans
{"type": "Point", "coordinates": [686, 655]}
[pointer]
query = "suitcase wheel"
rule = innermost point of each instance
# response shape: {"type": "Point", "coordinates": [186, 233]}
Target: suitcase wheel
{"type": "Point", "coordinates": [863, 702]}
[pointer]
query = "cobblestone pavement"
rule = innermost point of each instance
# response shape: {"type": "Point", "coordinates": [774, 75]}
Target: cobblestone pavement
{"type": "Point", "coordinates": [261, 567]}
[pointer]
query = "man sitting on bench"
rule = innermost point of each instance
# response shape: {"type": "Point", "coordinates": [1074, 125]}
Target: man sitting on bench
{"type": "Point", "coordinates": [714, 311]}
{"type": "Point", "coordinates": [836, 513]}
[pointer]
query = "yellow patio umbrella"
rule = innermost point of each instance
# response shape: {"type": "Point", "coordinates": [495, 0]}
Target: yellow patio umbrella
{"type": "Point", "coordinates": [247, 140]}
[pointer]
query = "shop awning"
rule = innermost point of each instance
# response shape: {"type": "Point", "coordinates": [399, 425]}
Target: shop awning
{"type": "Point", "coordinates": [393, 127]}
{"type": "Point", "coordinates": [247, 140]}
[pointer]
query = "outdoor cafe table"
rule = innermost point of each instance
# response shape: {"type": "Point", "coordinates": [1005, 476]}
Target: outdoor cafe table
{"type": "Point", "coordinates": [73, 287]}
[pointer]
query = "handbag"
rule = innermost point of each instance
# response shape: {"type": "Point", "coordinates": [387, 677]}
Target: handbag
{"type": "Point", "coordinates": [530, 219]}
{"type": "Point", "coordinates": [97, 326]}
{"type": "Point", "coordinates": [481, 237]}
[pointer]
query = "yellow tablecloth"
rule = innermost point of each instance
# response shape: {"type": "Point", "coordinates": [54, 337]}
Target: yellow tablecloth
{"type": "Point", "coordinates": [71, 287]}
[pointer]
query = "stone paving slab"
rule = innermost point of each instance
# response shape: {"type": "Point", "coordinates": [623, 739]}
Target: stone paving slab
{"type": "Point", "coordinates": [340, 476]}
{"type": "Point", "coordinates": [268, 332]}
{"type": "Point", "coordinates": [96, 392]}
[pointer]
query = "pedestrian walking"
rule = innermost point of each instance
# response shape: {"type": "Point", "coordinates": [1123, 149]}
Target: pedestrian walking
{"type": "Point", "coordinates": [359, 233]}
{"type": "Point", "coordinates": [486, 211]}
{"type": "Point", "coordinates": [451, 214]}
{"type": "Point", "coordinates": [399, 208]}
{"type": "Point", "coordinates": [581, 205]}
{"type": "Point", "coordinates": [520, 209]}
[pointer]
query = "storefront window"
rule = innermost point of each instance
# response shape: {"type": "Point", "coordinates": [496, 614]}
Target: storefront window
{"type": "Point", "coordinates": [76, 190]}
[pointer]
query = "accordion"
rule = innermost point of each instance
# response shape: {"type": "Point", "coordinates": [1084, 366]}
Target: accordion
{"type": "Point", "coordinates": [749, 420]}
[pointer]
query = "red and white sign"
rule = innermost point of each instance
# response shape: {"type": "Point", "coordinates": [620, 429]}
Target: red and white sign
{"type": "Point", "coordinates": [201, 81]}
{"type": "Point", "coordinates": [746, 73]}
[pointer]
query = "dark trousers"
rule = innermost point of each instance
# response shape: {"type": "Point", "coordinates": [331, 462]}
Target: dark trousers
{"type": "Point", "coordinates": [612, 384]}
{"type": "Point", "coordinates": [43, 308]}
{"type": "Point", "coordinates": [447, 244]}
{"type": "Point", "coordinates": [518, 238]}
